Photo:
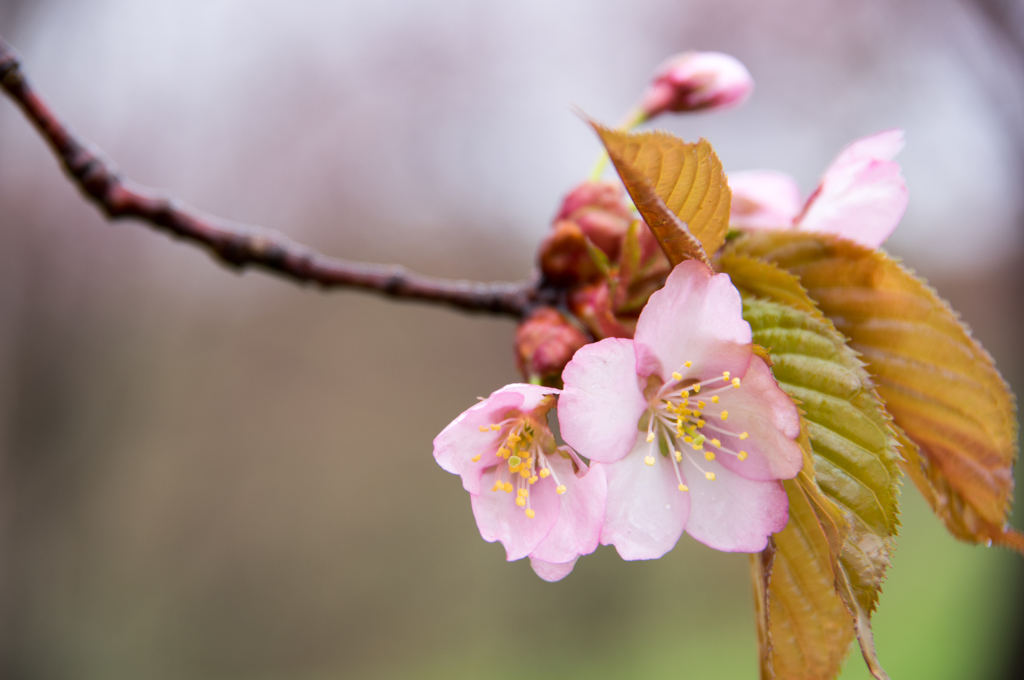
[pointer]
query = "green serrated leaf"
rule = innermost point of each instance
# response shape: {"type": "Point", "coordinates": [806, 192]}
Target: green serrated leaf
{"type": "Point", "coordinates": [940, 385]}
{"type": "Point", "coordinates": [850, 479]}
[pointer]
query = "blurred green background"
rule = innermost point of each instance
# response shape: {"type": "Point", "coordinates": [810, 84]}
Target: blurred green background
{"type": "Point", "coordinates": [215, 476]}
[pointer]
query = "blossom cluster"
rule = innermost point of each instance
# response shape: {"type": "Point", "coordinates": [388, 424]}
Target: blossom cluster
{"type": "Point", "coordinates": [671, 422]}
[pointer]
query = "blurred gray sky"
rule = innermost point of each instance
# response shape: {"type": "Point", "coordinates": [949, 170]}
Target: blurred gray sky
{"type": "Point", "coordinates": [212, 475]}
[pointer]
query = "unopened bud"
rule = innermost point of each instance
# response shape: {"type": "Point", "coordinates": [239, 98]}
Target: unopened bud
{"type": "Point", "coordinates": [594, 211]}
{"type": "Point", "coordinates": [696, 81]}
{"type": "Point", "coordinates": [593, 306]}
{"type": "Point", "coordinates": [545, 343]}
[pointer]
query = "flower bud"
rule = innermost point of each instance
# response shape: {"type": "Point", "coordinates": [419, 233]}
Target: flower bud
{"type": "Point", "coordinates": [594, 211]}
{"type": "Point", "coordinates": [695, 81]}
{"type": "Point", "coordinates": [545, 343]}
{"type": "Point", "coordinates": [593, 306]}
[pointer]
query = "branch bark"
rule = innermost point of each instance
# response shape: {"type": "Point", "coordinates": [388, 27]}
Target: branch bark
{"type": "Point", "coordinates": [240, 245]}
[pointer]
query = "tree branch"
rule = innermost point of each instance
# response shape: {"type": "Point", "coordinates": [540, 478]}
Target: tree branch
{"type": "Point", "coordinates": [240, 245]}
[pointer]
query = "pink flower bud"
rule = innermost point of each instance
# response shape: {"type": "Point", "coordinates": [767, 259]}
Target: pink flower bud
{"type": "Point", "coordinates": [695, 81]}
{"type": "Point", "coordinates": [545, 343]}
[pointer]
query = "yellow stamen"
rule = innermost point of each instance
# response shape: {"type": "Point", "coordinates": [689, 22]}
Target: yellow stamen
{"type": "Point", "coordinates": [688, 439]}
{"type": "Point", "coordinates": [533, 480]}
{"type": "Point", "coordinates": [560, 489]}
{"type": "Point", "coordinates": [524, 473]}
{"type": "Point", "coordinates": [476, 458]}
{"type": "Point", "coordinates": [684, 394]}
{"type": "Point", "coordinates": [523, 492]}
{"type": "Point", "coordinates": [649, 460]}
{"type": "Point", "coordinates": [513, 438]}
{"type": "Point", "coordinates": [521, 502]}
{"type": "Point", "coordinates": [725, 375]}
{"type": "Point", "coordinates": [677, 376]}
{"type": "Point", "coordinates": [710, 476]}
{"type": "Point", "coordinates": [679, 456]}
{"type": "Point", "coordinates": [700, 423]}
{"type": "Point", "coordinates": [544, 472]}
{"type": "Point", "coordinates": [696, 388]}
{"type": "Point", "coordinates": [683, 487]}
{"type": "Point", "coordinates": [725, 415]}
{"type": "Point", "coordinates": [709, 455]}
{"type": "Point", "coordinates": [688, 364]}
{"type": "Point", "coordinates": [701, 404]}
{"type": "Point", "coordinates": [742, 455]}
{"type": "Point", "coordinates": [502, 452]}
{"type": "Point", "coordinates": [495, 427]}
{"type": "Point", "coordinates": [650, 437]}
{"type": "Point", "coordinates": [508, 487]}
{"type": "Point", "coordinates": [714, 399]}
{"type": "Point", "coordinates": [530, 513]}
{"type": "Point", "coordinates": [735, 382]}
{"type": "Point", "coordinates": [717, 443]}
{"type": "Point", "coordinates": [484, 428]}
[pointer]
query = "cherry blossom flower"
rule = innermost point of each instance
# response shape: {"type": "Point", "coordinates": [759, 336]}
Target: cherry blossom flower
{"type": "Point", "coordinates": [696, 81]}
{"type": "Point", "coordinates": [690, 426]}
{"type": "Point", "coordinates": [861, 196]}
{"type": "Point", "coordinates": [536, 499]}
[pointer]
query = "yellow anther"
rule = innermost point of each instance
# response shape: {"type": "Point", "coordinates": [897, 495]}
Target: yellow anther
{"type": "Point", "coordinates": [725, 375]}
{"type": "Point", "coordinates": [709, 455]}
{"type": "Point", "coordinates": [530, 513]}
{"type": "Point", "coordinates": [677, 376]}
{"type": "Point", "coordinates": [742, 455]}
{"type": "Point", "coordinates": [650, 437]}
{"type": "Point", "coordinates": [508, 487]}
{"type": "Point", "coordinates": [649, 460]}
{"type": "Point", "coordinates": [523, 492]}
{"type": "Point", "coordinates": [495, 427]}
{"type": "Point", "coordinates": [513, 438]}
{"type": "Point", "coordinates": [717, 443]}
{"type": "Point", "coordinates": [502, 452]}
{"type": "Point", "coordinates": [506, 454]}
{"type": "Point", "coordinates": [683, 487]}
{"type": "Point", "coordinates": [524, 473]}
{"type": "Point", "coordinates": [688, 364]}
{"type": "Point", "coordinates": [679, 456]}
{"type": "Point", "coordinates": [696, 388]}
{"type": "Point", "coordinates": [560, 489]}
{"type": "Point", "coordinates": [544, 472]}
{"type": "Point", "coordinates": [714, 399]}
{"type": "Point", "coordinates": [521, 502]}
{"type": "Point", "coordinates": [743, 435]}
{"type": "Point", "coordinates": [484, 428]}
{"type": "Point", "coordinates": [688, 439]}
{"type": "Point", "coordinates": [735, 382]}
{"type": "Point", "coordinates": [725, 415]}
{"type": "Point", "coordinates": [533, 480]}
{"type": "Point", "coordinates": [700, 423]}
{"type": "Point", "coordinates": [476, 458]}
{"type": "Point", "coordinates": [496, 487]}
{"type": "Point", "coordinates": [684, 394]}
{"type": "Point", "coordinates": [701, 404]}
{"type": "Point", "coordinates": [710, 476]}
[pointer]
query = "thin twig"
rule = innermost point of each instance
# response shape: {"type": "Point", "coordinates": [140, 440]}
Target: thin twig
{"type": "Point", "coordinates": [240, 245]}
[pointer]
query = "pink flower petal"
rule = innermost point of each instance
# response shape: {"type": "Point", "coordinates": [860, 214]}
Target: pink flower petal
{"type": "Point", "coordinates": [862, 196]}
{"type": "Point", "coordinates": [552, 572]}
{"type": "Point", "coordinates": [462, 440]}
{"type": "Point", "coordinates": [770, 418]}
{"type": "Point", "coordinates": [732, 513]}
{"type": "Point", "coordinates": [696, 317]}
{"type": "Point", "coordinates": [601, 403]}
{"type": "Point", "coordinates": [646, 510]}
{"type": "Point", "coordinates": [764, 199]}
{"type": "Point", "coordinates": [578, 528]}
{"type": "Point", "coordinates": [500, 519]}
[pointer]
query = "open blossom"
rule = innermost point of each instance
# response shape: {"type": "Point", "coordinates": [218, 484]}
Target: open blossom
{"type": "Point", "coordinates": [695, 81]}
{"type": "Point", "coordinates": [689, 425]}
{"type": "Point", "coordinates": [539, 501]}
{"type": "Point", "coordinates": [861, 196]}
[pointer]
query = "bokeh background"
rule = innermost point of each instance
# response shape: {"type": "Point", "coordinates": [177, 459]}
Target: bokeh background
{"type": "Point", "coordinates": [214, 476]}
